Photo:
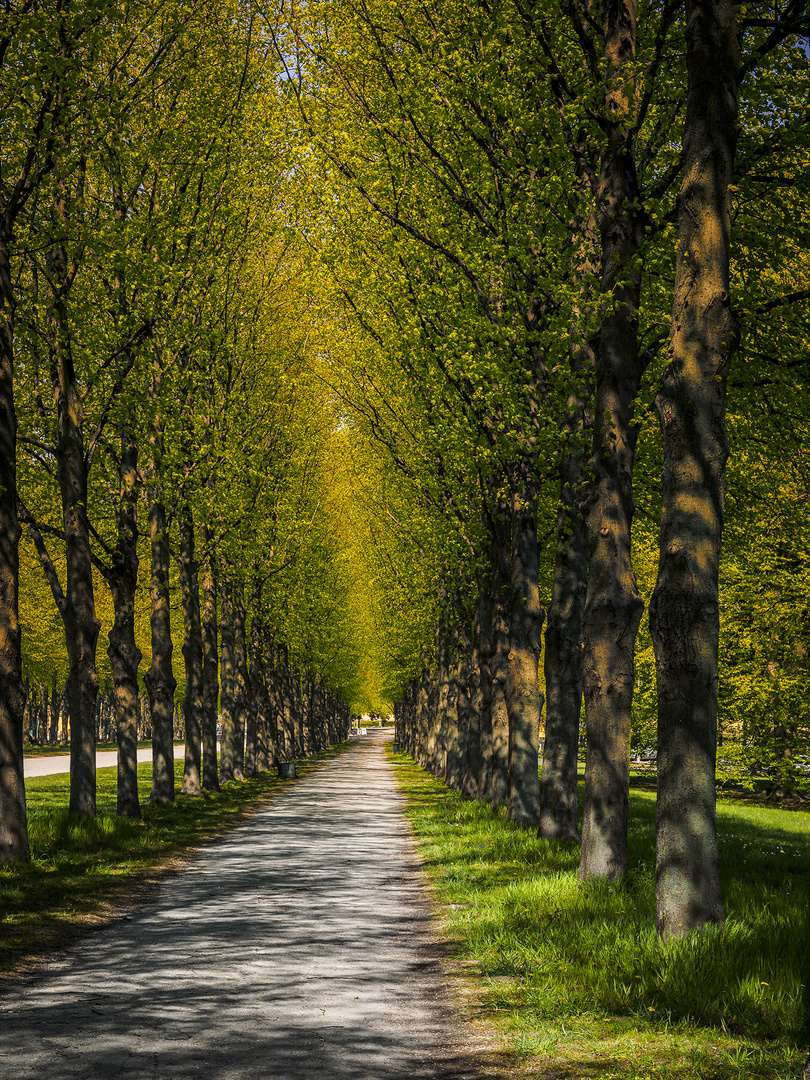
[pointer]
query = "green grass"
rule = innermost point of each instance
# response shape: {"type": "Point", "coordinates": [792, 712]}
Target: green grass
{"type": "Point", "coordinates": [82, 871]}
{"type": "Point", "coordinates": [575, 976]}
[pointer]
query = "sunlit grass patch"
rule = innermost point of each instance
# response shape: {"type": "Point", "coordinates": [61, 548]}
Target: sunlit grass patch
{"type": "Point", "coordinates": [576, 974]}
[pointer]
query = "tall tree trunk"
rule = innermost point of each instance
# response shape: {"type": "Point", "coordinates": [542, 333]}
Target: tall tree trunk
{"type": "Point", "coordinates": [498, 671]}
{"type": "Point", "coordinates": [685, 613]}
{"type": "Point", "coordinates": [192, 654]}
{"type": "Point", "coordinates": [285, 708]}
{"type": "Point", "coordinates": [422, 726]}
{"type": "Point", "coordinates": [297, 698]}
{"type": "Point", "coordinates": [457, 713]}
{"type": "Point", "coordinates": [563, 661]}
{"type": "Point", "coordinates": [523, 696]}
{"type": "Point", "coordinates": [613, 607]}
{"type": "Point", "coordinates": [81, 624]}
{"type": "Point", "coordinates": [438, 700]}
{"type": "Point", "coordinates": [564, 628]}
{"type": "Point", "coordinates": [252, 703]}
{"type": "Point", "coordinates": [160, 681]}
{"type": "Point", "coordinates": [210, 692]}
{"type": "Point", "coordinates": [13, 821]}
{"type": "Point", "coordinates": [124, 654]}
{"type": "Point", "coordinates": [240, 686]}
{"type": "Point", "coordinates": [477, 747]}
{"type": "Point", "coordinates": [227, 754]}
{"type": "Point", "coordinates": [275, 730]}
{"type": "Point", "coordinates": [259, 691]}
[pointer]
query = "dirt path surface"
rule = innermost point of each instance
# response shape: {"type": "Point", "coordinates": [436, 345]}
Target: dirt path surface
{"type": "Point", "coordinates": [297, 947]}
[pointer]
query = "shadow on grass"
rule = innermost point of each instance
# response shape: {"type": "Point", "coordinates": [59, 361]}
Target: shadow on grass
{"type": "Point", "coordinates": [559, 951]}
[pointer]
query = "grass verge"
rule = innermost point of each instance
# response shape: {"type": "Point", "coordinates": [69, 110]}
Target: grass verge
{"type": "Point", "coordinates": [83, 872]}
{"type": "Point", "coordinates": [574, 976]}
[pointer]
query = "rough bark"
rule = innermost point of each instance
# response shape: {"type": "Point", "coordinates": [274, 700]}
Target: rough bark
{"type": "Point", "coordinates": [438, 762]}
{"type": "Point", "coordinates": [13, 822]}
{"type": "Point", "coordinates": [227, 754]}
{"type": "Point", "coordinates": [523, 696]}
{"type": "Point", "coordinates": [265, 748]}
{"type": "Point", "coordinates": [285, 743]}
{"type": "Point", "coordinates": [192, 654]}
{"type": "Point", "coordinates": [564, 622]}
{"type": "Point", "coordinates": [422, 712]}
{"type": "Point", "coordinates": [81, 624]}
{"type": "Point", "coordinates": [296, 698]}
{"type": "Point", "coordinates": [160, 681]}
{"type": "Point", "coordinates": [684, 614]}
{"type": "Point", "coordinates": [255, 728]}
{"type": "Point", "coordinates": [124, 654]}
{"type": "Point", "coordinates": [210, 649]}
{"type": "Point", "coordinates": [457, 712]}
{"type": "Point", "coordinates": [613, 607]}
{"type": "Point", "coordinates": [563, 663]}
{"type": "Point", "coordinates": [273, 691]}
{"type": "Point", "coordinates": [240, 684]}
{"type": "Point", "coordinates": [473, 758]}
{"type": "Point", "coordinates": [498, 673]}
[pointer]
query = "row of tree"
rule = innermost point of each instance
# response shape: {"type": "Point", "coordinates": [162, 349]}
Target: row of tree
{"type": "Point", "coordinates": [46, 721]}
{"type": "Point", "coordinates": [537, 221]}
{"type": "Point", "coordinates": [388, 317]}
{"type": "Point", "coordinates": [163, 439]}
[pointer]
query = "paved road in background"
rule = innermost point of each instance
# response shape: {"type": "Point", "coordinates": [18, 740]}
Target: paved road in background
{"type": "Point", "coordinates": [60, 763]}
{"type": "Point", "coordinates": [296, 948]}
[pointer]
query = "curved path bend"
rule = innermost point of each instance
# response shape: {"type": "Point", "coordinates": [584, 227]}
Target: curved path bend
{"type": "Point", "coordinates": [298, 947]}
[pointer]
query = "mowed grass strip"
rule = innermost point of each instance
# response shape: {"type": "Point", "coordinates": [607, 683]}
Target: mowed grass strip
{"type": "Point", "coordinates": [575, 976]}
{"type": "Point", "coordinates": [83, 871]}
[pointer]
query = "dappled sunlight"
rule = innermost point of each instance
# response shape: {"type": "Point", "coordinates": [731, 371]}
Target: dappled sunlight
{"type": "Point", "coordinates": [558, 957]}
{"type": "Point", "coordinates": [298, 946]}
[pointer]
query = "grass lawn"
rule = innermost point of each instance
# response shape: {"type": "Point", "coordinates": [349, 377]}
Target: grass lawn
{"type": "Point", "coordinates": [574, 976]}
{"type": "Point", "coordinates": [82, 871]}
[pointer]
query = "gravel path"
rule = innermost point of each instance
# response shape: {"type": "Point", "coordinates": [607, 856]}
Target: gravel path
{"type": "Point", "coordinates": [298, 947]}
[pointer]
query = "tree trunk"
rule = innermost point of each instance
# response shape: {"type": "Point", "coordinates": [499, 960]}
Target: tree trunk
{"type": "Point", "coordinates": [498, 671]}
{"type": "Point", "coordinates": [160, 681]}
{"type": "Point", "coordinates": [210, 692]}
{"type": "Point", "coordinates": [13, 821]}
{"type": "Point", "coordinates": [563, 662]}
{"type": "Point", "coordinates": [227, 754]}
{"type": "Point", "coordinates": [684, 614]}
{"type": "Point", "coordinates": [240, 686]}
{"type": "Point", "coordinates": [275, 730]}
{"type": "Point", "coordinates": [261, 705]}
{"type": "Point", "coordinates": [284, 705]}
{"type": "Point", "coordinates": [474, 765]}
{"type": "Point", "coordinates": [55, 708]}
{"type": "Point", "coordinates": [124, 654]}
{"type": "Point", "coordinates": [252, 705]}
{"type": "Point", "coordinates": [192, 654]}
{"type": "Point", "coordinates": [81, 624]}
{"type": "Point", "coordinates": [523, 696]}
{"type": "Point", "coordinates": [613, 607]}
{"type": "Point", "coordinates": [457, 711]}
